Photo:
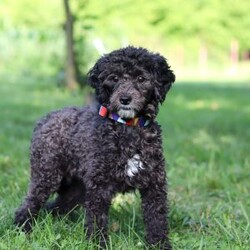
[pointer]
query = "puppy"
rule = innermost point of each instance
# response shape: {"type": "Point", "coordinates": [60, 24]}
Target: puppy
{"type": "Point", "coordinates": [89, 154]}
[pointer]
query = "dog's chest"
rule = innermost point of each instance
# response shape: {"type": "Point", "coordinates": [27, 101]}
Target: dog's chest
{"type": "Point", "coordinates": [134, 166]}
{"type": "Point", "coordinates": [127, 153]}
{"type": "Point", "coordinates": [130, 145]}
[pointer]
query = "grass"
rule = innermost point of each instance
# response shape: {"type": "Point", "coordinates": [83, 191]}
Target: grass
{"type": "Point", "coordinates": [206, 141]}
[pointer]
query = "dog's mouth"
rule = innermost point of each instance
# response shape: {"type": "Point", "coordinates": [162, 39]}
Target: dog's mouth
{"type": "Point", "coordinates": [126, 112]}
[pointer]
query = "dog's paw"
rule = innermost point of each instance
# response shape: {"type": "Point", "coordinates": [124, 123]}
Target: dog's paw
{"type": "Point", "coordinates": [23, 221]}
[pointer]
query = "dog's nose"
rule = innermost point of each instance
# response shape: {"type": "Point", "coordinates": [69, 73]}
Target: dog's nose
{"type": "Point", "coordinates": [125, 100]}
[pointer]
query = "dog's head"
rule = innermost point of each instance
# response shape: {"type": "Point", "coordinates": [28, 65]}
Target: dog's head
{"type": "Point", "coordinates": [131, 81]}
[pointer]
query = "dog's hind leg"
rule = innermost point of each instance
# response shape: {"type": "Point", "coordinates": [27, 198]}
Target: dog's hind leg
{"type": "Point", "coordinates": [43, 183]}
{"type": "Point", "coordinates": [70, 194]}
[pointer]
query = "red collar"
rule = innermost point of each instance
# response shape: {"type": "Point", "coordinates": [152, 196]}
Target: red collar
{"type": "Point", "coordinates": [137, 121]}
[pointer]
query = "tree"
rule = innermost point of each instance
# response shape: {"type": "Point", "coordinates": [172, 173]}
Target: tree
{"type": "Point", "coordinates": [70, 67]}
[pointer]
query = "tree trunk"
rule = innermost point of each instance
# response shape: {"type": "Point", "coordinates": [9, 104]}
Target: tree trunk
{"type": "Point", "coordinates": [70, 67]}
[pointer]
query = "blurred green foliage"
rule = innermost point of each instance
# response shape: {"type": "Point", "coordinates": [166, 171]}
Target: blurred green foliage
{"type": "Point", "coordinates": [32, 35]}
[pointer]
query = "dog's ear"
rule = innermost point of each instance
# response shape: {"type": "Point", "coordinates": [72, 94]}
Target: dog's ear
{"type": "Point", "coordinates": [164, 78]}
{"type": "Point", "coordinates": [93, 74]}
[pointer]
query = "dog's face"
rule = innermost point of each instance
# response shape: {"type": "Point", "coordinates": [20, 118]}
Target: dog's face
{"type": "Point", "coordinates": [131, 82]}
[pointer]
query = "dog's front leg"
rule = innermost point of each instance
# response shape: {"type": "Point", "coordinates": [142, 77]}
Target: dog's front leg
{"type": "Point", "coordinates": [154, 199]}
{"type": "Point", "coordinates": [97, 203]}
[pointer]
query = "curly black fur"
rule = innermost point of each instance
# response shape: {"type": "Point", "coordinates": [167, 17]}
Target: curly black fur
{"type": "Point", "coordinates": [86, 158]}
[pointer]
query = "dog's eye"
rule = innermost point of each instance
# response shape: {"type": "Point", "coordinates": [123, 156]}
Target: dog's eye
{"type": "Point", "coordinates": [141, 78]}
{"type": "Point", "coordinates": [115, 78]}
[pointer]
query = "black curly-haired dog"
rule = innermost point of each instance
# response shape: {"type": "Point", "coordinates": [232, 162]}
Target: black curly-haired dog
{"type": "Point", "coordinates": [89, 154]}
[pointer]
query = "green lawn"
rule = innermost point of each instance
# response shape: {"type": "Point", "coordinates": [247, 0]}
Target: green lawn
{"type": "Point", "coordinates": [206, 139]}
